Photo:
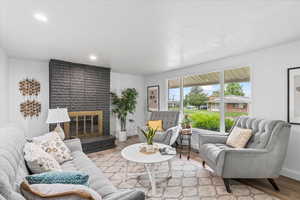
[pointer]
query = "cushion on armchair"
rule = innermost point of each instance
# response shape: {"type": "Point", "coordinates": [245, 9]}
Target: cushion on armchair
{"type": "Point", "coordinates": [239, 137]}
{"type": "Point", "coordinates": [156, 124]}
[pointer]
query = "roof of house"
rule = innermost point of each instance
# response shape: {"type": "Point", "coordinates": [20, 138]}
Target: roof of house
{"type": "Point", "coordinates": [230, 99]}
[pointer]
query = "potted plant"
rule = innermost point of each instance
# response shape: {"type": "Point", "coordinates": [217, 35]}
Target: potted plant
{"type": "Point", "coordinates": [123, 105]}
{"type": "Point", "coordinates": [186, 122]}
{"type": "Point", "coordinates": [149, 134]}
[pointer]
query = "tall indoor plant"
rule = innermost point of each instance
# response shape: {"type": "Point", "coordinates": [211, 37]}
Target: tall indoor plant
{"type": "Point", "coordinates": [123, 105]}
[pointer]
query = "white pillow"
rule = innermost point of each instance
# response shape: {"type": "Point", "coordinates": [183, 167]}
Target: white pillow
{"type": "Point", "coordinates": [38, 160]}
{"type": "Point", "coordinates": [52, 144]}
{"type": "Point", "coordinates": [239, 137]}
{"type": "Point", "coordinates": [58, 191]}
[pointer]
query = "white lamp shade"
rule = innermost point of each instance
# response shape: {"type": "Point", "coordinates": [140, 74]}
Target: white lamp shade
{"type": "Point", "coordinates": [58, 115]}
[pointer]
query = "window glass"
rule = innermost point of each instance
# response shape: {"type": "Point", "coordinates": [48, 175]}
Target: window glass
{"type": "Point", "coordinates": [174, 94]}
{"type": "Point", "coordinates": [202, 100]}
{"type": "Point", "coordinates": [237, 94]}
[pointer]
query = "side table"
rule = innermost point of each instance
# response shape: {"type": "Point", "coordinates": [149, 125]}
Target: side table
{"type": "Point", "coordinates": [185, 135]}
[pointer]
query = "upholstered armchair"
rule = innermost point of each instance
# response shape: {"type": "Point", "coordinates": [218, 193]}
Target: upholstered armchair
{"type": "Point", "coordinates": [170, 126]}
{"type": "Point", "coordinates": [262, 157]}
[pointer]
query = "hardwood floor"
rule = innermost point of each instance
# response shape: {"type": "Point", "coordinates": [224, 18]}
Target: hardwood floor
{"type": "Point", "coordinates": [289, 188]}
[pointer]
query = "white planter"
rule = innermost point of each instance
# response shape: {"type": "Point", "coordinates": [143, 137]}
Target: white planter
{"type": "Point", "coordinates": [122, 136]}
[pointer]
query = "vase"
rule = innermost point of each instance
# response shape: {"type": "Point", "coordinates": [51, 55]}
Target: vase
{"type": "Point", "coordinates": [150, 148]}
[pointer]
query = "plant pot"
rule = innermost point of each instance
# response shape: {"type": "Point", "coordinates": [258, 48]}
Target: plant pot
{"type": "Point", "coordinates": [150, 148]}
{"type": "Point", "coordinates": [122, 136]}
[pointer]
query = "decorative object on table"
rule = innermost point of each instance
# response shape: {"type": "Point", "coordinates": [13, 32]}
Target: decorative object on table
{"type": "Point", "coordinates": [186, 123]}
{"type": "Point", "coordinates": [122, 106]}
{"type": "Point", "coordinates": [167, 151]}
{"type": "Point", "coordinates": [39, 161]}
{"type": "Point", "coordinates": [185, 136]}
{"type": "Point", "coordinates": [153, 98]}
{"type": "Point", "coordinates": [53, 144]}
{"type": "Point", "coordinates": [29, 87]}
{"type": "Point", "coordinates": [149, 134]}
{"type": "Point", "coordinates": [293, 99]}
{"type": "Point", "coordinates": [57, 116]}
{"type": "Point", "coordinates": [144, 148]}
{"type": "Point", "coordinates": [30, 108]}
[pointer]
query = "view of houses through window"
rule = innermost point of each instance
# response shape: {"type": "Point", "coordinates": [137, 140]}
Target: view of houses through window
{"type": "Point", "coordinates": [213, 100]}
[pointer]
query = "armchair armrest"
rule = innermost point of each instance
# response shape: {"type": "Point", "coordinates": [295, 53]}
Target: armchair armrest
{"type": "Point", "coordinates": [73, 144]}
{"type": "Point", "coordinates": [205, 138]}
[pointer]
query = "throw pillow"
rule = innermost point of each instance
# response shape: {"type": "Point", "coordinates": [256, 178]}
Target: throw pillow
{"type": "Point", "coordinates": [63, 177]}
{"type": "Point", "coordinates": [59, 191]}
{"type": "Point", "coordinates": [52, 144]}
{"type": "Point", "coordinates": [38, 160]}
{"type": "Point", "coordinates": [239, 137]}
{"type": "Point", "coordinates": [156, 124]}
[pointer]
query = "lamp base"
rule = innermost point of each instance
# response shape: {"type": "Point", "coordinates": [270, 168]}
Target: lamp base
{"type": "Point", "coordinates": [60, 131]}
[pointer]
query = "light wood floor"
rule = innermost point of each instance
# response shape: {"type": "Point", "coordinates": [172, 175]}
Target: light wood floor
{"type": "Point", "coordinates": [289, 188]}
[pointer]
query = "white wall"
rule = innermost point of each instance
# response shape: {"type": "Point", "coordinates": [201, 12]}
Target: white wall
{"type": "Point", "coordinates": [118, 83]}
{"type": "Point", "coordinates": [269, 88]}
{"type": "Point", "coordinates": [20, 69]}
{"type": "Point", "coordinates": [3, 87]}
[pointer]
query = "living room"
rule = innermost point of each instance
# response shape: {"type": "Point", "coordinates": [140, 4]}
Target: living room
{"type": "Point", "coordinates": [205, 75]}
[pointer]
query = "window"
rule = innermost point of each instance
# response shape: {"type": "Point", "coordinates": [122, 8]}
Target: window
{"type": "Point", "coordinates": [174, 94]}
{"type": "Point", "coordinates": [213, 100]}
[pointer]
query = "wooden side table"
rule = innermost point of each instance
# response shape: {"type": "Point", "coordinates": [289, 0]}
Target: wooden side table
{"type": "Point", "coordinates": [185, 135]}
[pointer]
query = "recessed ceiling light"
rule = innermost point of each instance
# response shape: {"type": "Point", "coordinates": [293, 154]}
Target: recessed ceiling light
{"type": "Point", "coordinates": [40, 17]}
{"type": "Point", "coordinates": [93, 57]}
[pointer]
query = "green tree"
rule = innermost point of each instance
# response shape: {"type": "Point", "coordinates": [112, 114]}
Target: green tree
{"type": "Point", "coordinates": [234, 89]}
{"type": "Point", "coordinates": [196, 97]}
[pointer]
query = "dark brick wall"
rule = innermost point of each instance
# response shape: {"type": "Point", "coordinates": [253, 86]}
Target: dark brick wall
{"type": "Point", "coordinates": [80, 87]}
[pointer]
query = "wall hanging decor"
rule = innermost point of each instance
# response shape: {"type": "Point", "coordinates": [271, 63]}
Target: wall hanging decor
{"type": "Point", "coordinates": [153, 98]}
{"type": "Point", "coordinates": [31, 108]}
{"type": "Point", "coordinates": [29, 87]}
{"type": "Point", "coordinates": [293, 100]}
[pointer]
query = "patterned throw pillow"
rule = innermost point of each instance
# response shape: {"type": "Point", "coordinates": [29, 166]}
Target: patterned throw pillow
{"type": "Point", "coordinates": [52, 144]}
{"type": "Point", "coordinates": [64, 177]}
{"type": "Point", "coordinates": [38, 160]}
{"type": "Point", "coordinates": [239, 137]}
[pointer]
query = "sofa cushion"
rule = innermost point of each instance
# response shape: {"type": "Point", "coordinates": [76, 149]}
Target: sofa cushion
{"type": "Point", "coordinates": [261, 130]}
{"type": "Point", "coordinates": [212, 151]}
{"type": "Point", "coordinates": [239, 137]}
{"type": "Point", "coordinates": [97, 181]}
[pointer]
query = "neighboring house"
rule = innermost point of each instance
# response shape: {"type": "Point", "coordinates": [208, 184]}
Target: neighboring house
{"type": "Point", "coordinates": [232, 103]}
{"type": "Point", "coordinates": [173, 104]}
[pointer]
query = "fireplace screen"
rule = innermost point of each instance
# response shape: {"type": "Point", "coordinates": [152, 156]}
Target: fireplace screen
{"type": "Point", "coordinates": [84, 124]}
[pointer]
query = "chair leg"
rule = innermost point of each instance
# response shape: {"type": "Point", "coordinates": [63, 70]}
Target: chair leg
{"type": "Point", "coordinates": [273, 183]}
{"type": "Point", "coordinates": [203, 164]}
{"type": "Point", "coordinates": [227, 184]}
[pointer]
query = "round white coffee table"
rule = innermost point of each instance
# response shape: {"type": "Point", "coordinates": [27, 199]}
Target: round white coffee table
{"type": "Point", "coordinates": [132, 153]}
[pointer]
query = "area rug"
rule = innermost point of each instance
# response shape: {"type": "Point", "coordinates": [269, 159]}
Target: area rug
{"type": "Point", "coordinates": [189, 181]}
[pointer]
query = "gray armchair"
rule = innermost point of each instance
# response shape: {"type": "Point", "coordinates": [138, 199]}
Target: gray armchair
{"type": "Point", "coordinates": [263, 156]}
{"type": "Point", "coordinates": [170, 125]}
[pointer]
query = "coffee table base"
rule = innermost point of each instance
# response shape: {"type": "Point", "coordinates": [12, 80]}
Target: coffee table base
{"type": "Point", "coordinates": [151, 172]}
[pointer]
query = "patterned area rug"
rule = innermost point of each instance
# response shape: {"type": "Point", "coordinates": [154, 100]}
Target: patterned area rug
{"type": "Point", "coordinates": [189, 181]}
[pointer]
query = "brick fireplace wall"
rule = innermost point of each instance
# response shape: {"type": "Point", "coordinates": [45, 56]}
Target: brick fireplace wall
{"type": "Point", "coordinates": [80, 87]}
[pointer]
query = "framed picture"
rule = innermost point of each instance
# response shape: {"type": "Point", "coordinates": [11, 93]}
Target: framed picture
{"type": "Point", "coordinates": [153, 98]}
{"type": "Point", "coordinates": [293, 95]}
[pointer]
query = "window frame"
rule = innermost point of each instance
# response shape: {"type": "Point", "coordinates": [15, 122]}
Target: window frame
{"type": "Point", "coordinates": [222, 95]}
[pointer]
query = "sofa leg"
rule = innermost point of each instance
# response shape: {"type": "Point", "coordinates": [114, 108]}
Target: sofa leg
{"type": "Point", "coordinates": [227, 184]}
{"type": "Point", "coordinates": [203, 164]}
{"type": "Point", "coordinates": [273, 183]}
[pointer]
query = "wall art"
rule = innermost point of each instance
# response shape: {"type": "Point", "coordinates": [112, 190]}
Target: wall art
{"type": "Point", "coordinates": [153, 98]}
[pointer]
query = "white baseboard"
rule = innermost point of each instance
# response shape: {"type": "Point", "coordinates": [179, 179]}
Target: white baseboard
{"type": "Point", "coordinates": [291, 173]}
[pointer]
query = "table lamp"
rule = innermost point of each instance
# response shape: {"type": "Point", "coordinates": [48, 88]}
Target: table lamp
{"type": "Point", "coordinates": [57, 116]}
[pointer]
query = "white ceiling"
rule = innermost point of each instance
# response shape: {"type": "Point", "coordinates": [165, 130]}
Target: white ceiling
{"type": "Point", "coordinates": [145, 36]}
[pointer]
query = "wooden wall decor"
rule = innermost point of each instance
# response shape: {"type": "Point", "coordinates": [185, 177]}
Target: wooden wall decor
{"type": "Point", "coordinates": [29, 87]}
{"type": "Point", "coordinates": [31, 108]}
